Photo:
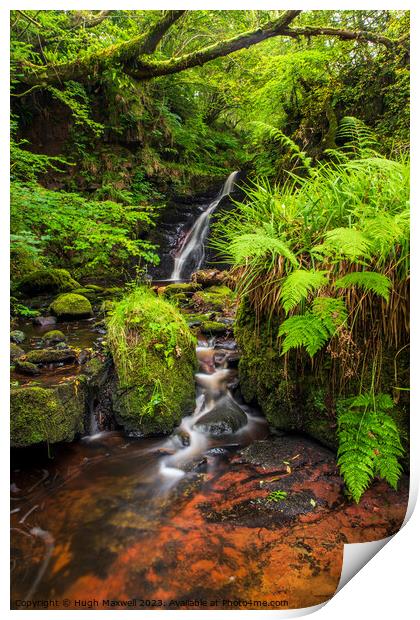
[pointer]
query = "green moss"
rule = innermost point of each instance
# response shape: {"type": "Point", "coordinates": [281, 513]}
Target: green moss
{"type": "Point", "coordinates": [154, 357]}
{"type": "Point", "coordinates": [215, 298]}
{"type": "Point", "coordinates": [181, 287]}
{"type": "Point", "coordinates": [71, 306]}
{"type": "Point", "coordinates": [26, 368]}
{"type": "Point", "coordinates": [55, 335]}
{"type": "Point", "coordinates": [49, 356]}
{"type": "Point", "coordinates": [17, 336]}
{"type": "Point", "coordinates": [15, 352]}
{"type": "Point", "coordinates": [45, 415]}
{"type": "Point", "coordinates": [47, 281]}
{"type": "Point", "coordinates": [213, 327]}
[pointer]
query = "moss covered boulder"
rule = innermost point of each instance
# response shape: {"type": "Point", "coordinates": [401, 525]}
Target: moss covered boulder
{"type": "Point", "coordinates": [216, 298]}
{"type": "Point", "coordinates": [15, 352]}
{"type": "Point", "coordinates": [51, 356]}
{"type": "Point", "coordinates": [54, 335]}
{"type": "Point", "coordinates": [181, 288]}
{"type": "Point", "coordinates": [26, 368]}
{"type": "Point", "coordinates": [154, 357]}
{"type": "Point", "coordinates": [46, 415]}
{"type": "Point", "coordinates": [71, 306]}
{"type": "Point", "coordinates": [47, 281]}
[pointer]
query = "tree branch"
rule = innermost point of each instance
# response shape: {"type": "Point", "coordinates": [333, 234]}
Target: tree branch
{"type": "Point", "coordinates": [156, 33]}
{"type": "Point", "coordinates": [345, 35]}
{"type": "Point", "coordinates": [94, 20]}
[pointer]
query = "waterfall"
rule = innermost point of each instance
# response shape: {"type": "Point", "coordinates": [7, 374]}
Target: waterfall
{"type": "Point", "coordinates": [192, 248]}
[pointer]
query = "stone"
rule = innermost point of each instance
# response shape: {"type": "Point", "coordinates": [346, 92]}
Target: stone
{"type": "Point", "coordinates": [44, 321]}
{"type": "Point", "coordinates": [71, 306]}
{"type": "Point", "coordinates": [27, 368]}
{"type": "Point", "coordinates": [50, 356]}
{"type": "Point", "coordinates": [47, 281]}
{"type": "Point", "coordinates": [17, 336]}
{"type": "Point", "coordinates": [225, 418]}
{"type": "Point", "coordinates": [209, 277]}
{"type": "Point", "coordinates": [15, 352]}
{"type": "Point", "coordinates": [55, 335]}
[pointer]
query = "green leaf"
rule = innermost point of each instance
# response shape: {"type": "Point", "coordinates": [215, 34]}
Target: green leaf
{"type": "Point", "coordinates": [297, 286]}
{"type": "Point", "coordinates": [370, 281]}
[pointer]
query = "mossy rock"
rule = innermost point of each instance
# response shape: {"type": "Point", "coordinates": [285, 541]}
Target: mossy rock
{"type": "Point", "coordinates": [47, 281]}
{"type": "Point", "coordinates": [55, 335]}
{"type": "Point", "coordinates": [154, 357]}
{"type": "Point", "coordinates": [209, 277]}
{"type": "Point", "coordinates": [50, 356]}
{"type": "Point", "coordinates": [27, 368]}
{"type": "Point", "coordinates": [45, 415]}
{"type": "Point", "coordinates": [17, 336]}
{"type": "Point", "coordinates": [216, 298]}
{"type": "Point", "coordinates": [71, 306]}
{"type": "Point", "coordinates": [213, 327]}
{"type": "Point", "coordinates": [181, 288]}
{"type": "Point", "coordinates": [15, 352]}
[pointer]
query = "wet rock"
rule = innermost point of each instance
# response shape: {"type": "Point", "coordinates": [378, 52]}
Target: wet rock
{"type": "Point", "coordinates": [47, 281]}
{"type": "Point", "coordinates": [50, 356]}
{"type": "Point", "coordinates": [15, 352]}
{"type": "Point", "coordinates": [183, 437]}
{"type": "Point", "coordinates": [209, 277]}
{"type": "Point", "coordinates": [46, 415]}
{"type": "Point", "coordinates": [17, 336]}
{"type": "Point", "coordinates": [224, 419]}
{"type": "Point", "coordinates": [217, 298]}
{"type": "Point", "coordinates": [26, 368]}
{"type": "Point", "coordinates": [53, 336]}
{"type": "Point", "coordinates": [71, 306]}
{"type": "Point", "coordinates": [44, 321]}
{"type": "Point", "coordinates": [83, 356]}
{"type": "Point", "coordinates": [184, 288]}
{"type": "Point", "coordinates": [213, 327]}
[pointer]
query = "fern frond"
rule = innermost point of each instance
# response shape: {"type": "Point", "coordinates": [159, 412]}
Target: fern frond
{"type": "Point", "coordinates": [355, 133]}
{"type": "Point", "coordinates": [305, 330]}
{"type": "Point", "coordinates": [254, 245]}
{"type": "Point", "coordinates": [332, 312]}
{"type": "Point", "coordinates": [370, 281]}
{"type": "Point", "coordinates": [369, 443]}
{"type": "Point", "coordinates": [297, 286]}
{"type": "Point", "coordinates": [347, 243]}
{"type": "Point", "coordinates": [273, 133]}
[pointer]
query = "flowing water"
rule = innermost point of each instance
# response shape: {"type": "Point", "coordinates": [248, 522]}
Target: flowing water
{"type": "Point", "coordinates": [190, 255]}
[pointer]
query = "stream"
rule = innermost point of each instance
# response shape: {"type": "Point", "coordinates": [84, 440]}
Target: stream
{"type": "Point", "coordinates": [220, 514]}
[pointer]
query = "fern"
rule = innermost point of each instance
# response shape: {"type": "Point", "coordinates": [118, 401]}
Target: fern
{"type": "Point", "coordinates": [254, 245]}
{"type": "Point", "coordinates": [369, 443]}
{"type": "Point", "coordinates": [346, 243]}
{"type": "Point", "coordinates": [331, 311]}
{"type": "Point", "coordinates": [356, 134]}
{"type": "Point", "coordinates": [305, 330]}
{"type": "Point", "coordinates": [273, 133]}
{"type": "Point", "coordinates": [370, 281]}
{"type": "Point", "coordinates": [298, 285]}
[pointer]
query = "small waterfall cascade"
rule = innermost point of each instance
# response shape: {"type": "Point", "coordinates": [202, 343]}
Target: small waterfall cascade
{"type": "Point", "coordinates": [192, 250]}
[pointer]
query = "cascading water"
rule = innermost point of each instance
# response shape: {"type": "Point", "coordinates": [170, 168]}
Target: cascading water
{"type": "Point", "coordinates": [192, 250]}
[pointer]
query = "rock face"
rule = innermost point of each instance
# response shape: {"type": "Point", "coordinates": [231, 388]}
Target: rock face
{"type": "Point", "coordinates": [71, 306]}
{"type": "Point", "coordinates": [224, 419]}
{"type": "Point", "coordinates": [154, 357]}
{"type": "Point", "coordinates": [45, 415]}
{"type": "Point", "coordinates": [47, 281]}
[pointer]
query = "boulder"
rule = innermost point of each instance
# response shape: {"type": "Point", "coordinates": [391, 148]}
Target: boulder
{"type": "Point", "coordinates": [15, 352]}
{"type": "Point", "coordinates": [17, 336]}
{"type": "Point", "coordinates": [225, 418]}
{"type": "Point", "coordinates": [46, 414]}
{"type": "Point", "coordinates": [44, 321]}
{"type": "Point", "coordinates": [47, 281]}
{"type": "Point", "coordinates": [71, 306]}
{"type": "Point", "coordinates": [209, 277]}
{"type": "Point", "coordinates": [182, 287]}
{"type": "Point", "coordinates": [55, 335]}
{"type": "Point", "coordinates": [50, 356]}
{"type": "Point", "coordinates": [26, 368]}
{"type": "Point", "coordinates": [154, 357]}
{"type": "Point", "coordinates": [213, 327]}
{"type": "Point", "coordinates": [216, 298]}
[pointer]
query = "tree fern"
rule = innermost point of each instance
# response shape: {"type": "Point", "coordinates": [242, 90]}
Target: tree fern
{"type": "Point", "coordinates": [369, 443]}
{"type": "Point", "coordinates": [370, 281]}
{"type": "Point", "coordinates": [296, 286]}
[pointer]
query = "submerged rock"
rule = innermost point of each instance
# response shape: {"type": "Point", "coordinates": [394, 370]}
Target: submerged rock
{"type": "Point", "coordinates": [15, 352]}
{"type": "Point", "coordinates": [17, 336]}
{"type": "Point", "coordinates": [47, 281]}
{"type": "Point", "coordinates": [71, 306]}
{"type": "Point", "coordinates": [224, 419]}
{"type": "Point", "coordinates": [46, 415]}
{"type": "Point", "coordinates": [44, 321]}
